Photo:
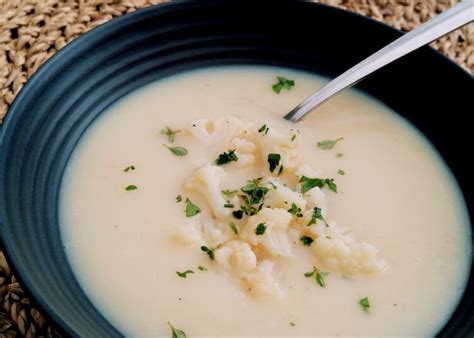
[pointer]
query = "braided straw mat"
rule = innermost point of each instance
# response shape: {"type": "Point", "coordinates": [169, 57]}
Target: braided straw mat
{"type": "Point", "coordinates": [33, 30]}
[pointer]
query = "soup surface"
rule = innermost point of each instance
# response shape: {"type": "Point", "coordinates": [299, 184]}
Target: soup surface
{"type": "Point", "coordinates": [395, 194]}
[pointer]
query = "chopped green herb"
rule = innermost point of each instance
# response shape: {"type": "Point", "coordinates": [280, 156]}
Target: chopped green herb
{"type": "Point", "coordinates": [238, 214]}
{"type": "Point", "coordinates": [263, 130]}
{"type": "Point", "coordinates": [260, 229]}
{"type": "Point", "coordinates": [191, 209]}
{"type": "Point", "coordinates": [131, 187]}
{"type": "Point", "coordinates": [233, 227]}
{"type": "Point", "coordinates": [329, 144]}
{"type": "Point", "coordinates": [169, 133]}
{"type": "Point", "coordinates": [252, 202]}
{"type": "Point", "coordinates": [229, 193]}
{"type": "Point", "coordinates": [339, 155]}
{"type": "Point", "coordinates": [328, 237]}
{"type": "Point", "coordinates": [273, 161]}
{"type": "Point", "coordinates": [282, 83]}
{"type": "Point", "coordinates": [280, 171]}
{"type": "Point", "coordinates": [178, 198]}
{"type": "Point", "coordinates": [228, 205]}
{"type": "Point", "coordinates": [306, 240]}
{"type": "Point", "coordinates": [318, 276]}
{"type": "Point", "coordinates": [293, 137]}
{"type": "Point", "coordinates": [176, 333]}
{"type": "Point", "coordinates": [184, 273]}
{"type": "Point", "coordinates": [341, 172]}
{"type": "Point", "coordinates": [309, 183]}
{"type": "Point", "coordinates": [364, 303]}
{"type": "Point", "coordinates": [315, 216]}
{"type": "Point", "coordinates": [130, 167]}
{"type": "Point", "coordinates": [178, 151]}
{"type": "Point", "coordinates": [292, 324]}
{"type": "Point", "coordinates": [202, 268]}
{"type": "Point", "coordinates": [227, 157]}
{"type": "Point", "coordinates": [294, 210]}
{"type": "Point", "coordinates": [209, 252]}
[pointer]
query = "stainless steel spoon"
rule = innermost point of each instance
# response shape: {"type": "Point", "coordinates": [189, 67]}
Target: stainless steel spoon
{"type": "Point", "coordinates": [442, 24]}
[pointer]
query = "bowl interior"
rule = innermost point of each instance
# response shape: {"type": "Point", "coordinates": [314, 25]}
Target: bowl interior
{"type": "Point", "coordinates": [66, 95]}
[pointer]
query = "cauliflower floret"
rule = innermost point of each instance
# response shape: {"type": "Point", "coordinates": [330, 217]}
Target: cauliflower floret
{"type": "Point", "coordinates": [339, 251]}
{"type": "Point", "coordinates": [276, 143]}
{"type": "Point", "coordinates": [207, 181]}
{"type": "Point", "coordinates": [236, 255]}
{"type": "Point", "coordinates": [220, 130]}
{"type": "Point", "coordinates": [260, 281]}
{"type": "Point", "coordinates": [245, 151]}
{"type": "Point", "coordinates": [306, 170]}
{"type": "Point", "coordinates": [201, 230]}
{"type": "Point", "coordinates": [189, 233]}
{"type": "Point", "coordinates": [283, 197]}
{"type": "Point", "coordinates": [316, 198]}
{"type": "Point", "coordinates": [275, 239]}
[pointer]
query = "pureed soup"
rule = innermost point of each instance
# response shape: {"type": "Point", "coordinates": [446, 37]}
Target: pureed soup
{"type": "Point", "coordinates": [192, 202]}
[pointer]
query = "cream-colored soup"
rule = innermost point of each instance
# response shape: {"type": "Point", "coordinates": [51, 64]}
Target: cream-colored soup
{"type": "Point", "coordinates": [396, 194]}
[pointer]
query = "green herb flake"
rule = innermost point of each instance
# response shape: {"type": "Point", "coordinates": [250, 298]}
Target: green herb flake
{"type": "Point", "coordinates": [339, 155]}
{"type": "Point", "coordinates": [178, 151]}
{"type": "Point", "coordinates": [306, 240]}
{"type": "Point", "coordinates": [228, 205]}
{"type": "Point", "coordinates": [252, 201]}
{"type": "Point", "coordinates": [229, 193]}
{"type": "Point", "coordinates": [169, 133]}
{"type": "Point", "coordinates": [310, 183]}
{"type": "Point", "coordinates": [184, 273]}
{"type": "Point", "coordinates": [234, 228]}
{"type": "Point", "coordinates": [293, 137]}
{"type": "Point", "coordinates": [282, 83]}
{"type": "Point", "coordinates": [294, 210]}
{"type": "Point", "coordinates": [292, 324]}
{"type": "Point", "coordinates": [191, 209]}
{"type": "Point", "coordinates": [364, 303]}
{"type": "Point", "coordinates": [227, 157]}
{"type": "Point", "coordinates": [131, 187]}
{"type": "Point", "coordinates": [280, 171]}
{"type": "Point", "coordinates": [209, 252]}
{"type": "Point", "coordinates": [176, 333]}
{"type": "Point", "coordinates": [178, 198]}
{"type": "Point", "coordinates": [317, 214]}
{"type": "Point", "coordinates": [329, 144]}
{"type": "Point", "coordinates": [238, 214]}
{"type": "Point", "coordinates": [202, 268]}
{"type": "Point", "coordinates": [260, 229]}
{"type": "Point", "coordinates": [318, 276]}
{"type": "Point", "coordinates": [130, 167]}
{"type": "Point", "coordinates": [263, 130]}
{"type": "Point", "coordinates": [341, 172]}
{"type": "Point", "coordinates": [273, 161]}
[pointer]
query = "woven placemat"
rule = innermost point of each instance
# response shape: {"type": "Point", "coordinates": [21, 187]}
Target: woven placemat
{"type": "Point", "coordinates": [31, 31]}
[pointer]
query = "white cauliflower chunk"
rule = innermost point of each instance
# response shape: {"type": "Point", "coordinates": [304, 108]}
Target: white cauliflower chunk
{"type": "Point", "coordinates": [282, 197]}
{"type": "Point", "coordinates": [274, 240]}
{"type": "Point", "coordinates": [189, 234]}
{"type": "Point", "coordinates": [201, 230]}
{"type": "Point", "coordinates": [260, 282]}
{"type": "Point", "coordinates": [316, 198]}
{"type": "Point", "coordinates": [218, 131]}
{"type": "Point", "coordinates": [236, 255]}
{"type": "Point", "coordinates": [306, 170]}
{"type": "Point", "coordinates": [276, 143]}
{"type": "Point", "coordinates": [207, 182]}
{"type": "Point", "coordinates": [245, 151]}
{"type": "Point", "coordinates": [341, 252]}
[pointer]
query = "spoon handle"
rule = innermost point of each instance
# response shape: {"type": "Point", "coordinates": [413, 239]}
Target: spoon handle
{"type": "Point", "coordinates": [442, 24]}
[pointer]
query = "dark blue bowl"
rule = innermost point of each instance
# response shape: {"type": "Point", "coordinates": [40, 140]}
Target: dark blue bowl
{"type": "Point", "coordinates": [67, 94]}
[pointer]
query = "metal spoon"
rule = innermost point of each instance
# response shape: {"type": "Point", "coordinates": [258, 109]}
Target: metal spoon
{"type": "Point", "coordinates": [442, 24]}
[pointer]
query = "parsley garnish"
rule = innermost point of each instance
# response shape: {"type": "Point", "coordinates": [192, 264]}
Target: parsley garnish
{"type": "Point", "coordinates": [341, 172]}
{"type": "Point", "coordinates": [191, 209]}
{"type": "Point", "coordinates": [238, 214]}
{"type": "Point", "coordinates": [310, 183]}
{"type": "Point", "coordinates": [253, 200]}
{"type": "Point", "coordinates": [131, 187]}
{"type": "Point", "coordinates": [282, 83]}
{"type": "Point", "coordinates": [233, 227]}
{"type": "Point", "coordinates": [130, 167]}
{"type": "Point", "coordinates": [280, 171]}
{"type": "Point", "coordinates": [227, 157]}
{"type": "Point", "coordinates": [228, 205]}
{"type": "Point", "coordinates": [306, 240]}
{"type": "Point", "coordinates": [202, 268]}
{"type": "Point", "coordinates": [184, 273]}
{"type": "Point", "coordinates": [338, 155]}
{"type": "Point", "coordinates": [292, 324]}
{"type": "Point", "coordinates": [318, 276]}
{"type": "Point", "coordinates": [209, 252]}
{"type": "Point", "coordinates": [294, 210]}
{"type": "Point", "coordinates": [364, 303]}
{"type": "Point", "coordinates": [169, 133]}
{"type": "Point", "coordinates": [293, 137]}
{"type": "Point", "coordinates": [229, 193]}
{"type": "Point", "coordinates": [178, 151]}
{"type": "Point", "coordinates": [315, 216]}
{"type": "Point", "coordinates": [329, 144]}
{"type": "Point", "coordinates": [273, 161]}
{"type": "Point", "coordinates": [260, 229]}
{"type": "Point", "coordinates": [263, 130]}
{"type": "Point", "coordinates": [176, 333]}
{"type": "Point", "coordinates": [178, 198]}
